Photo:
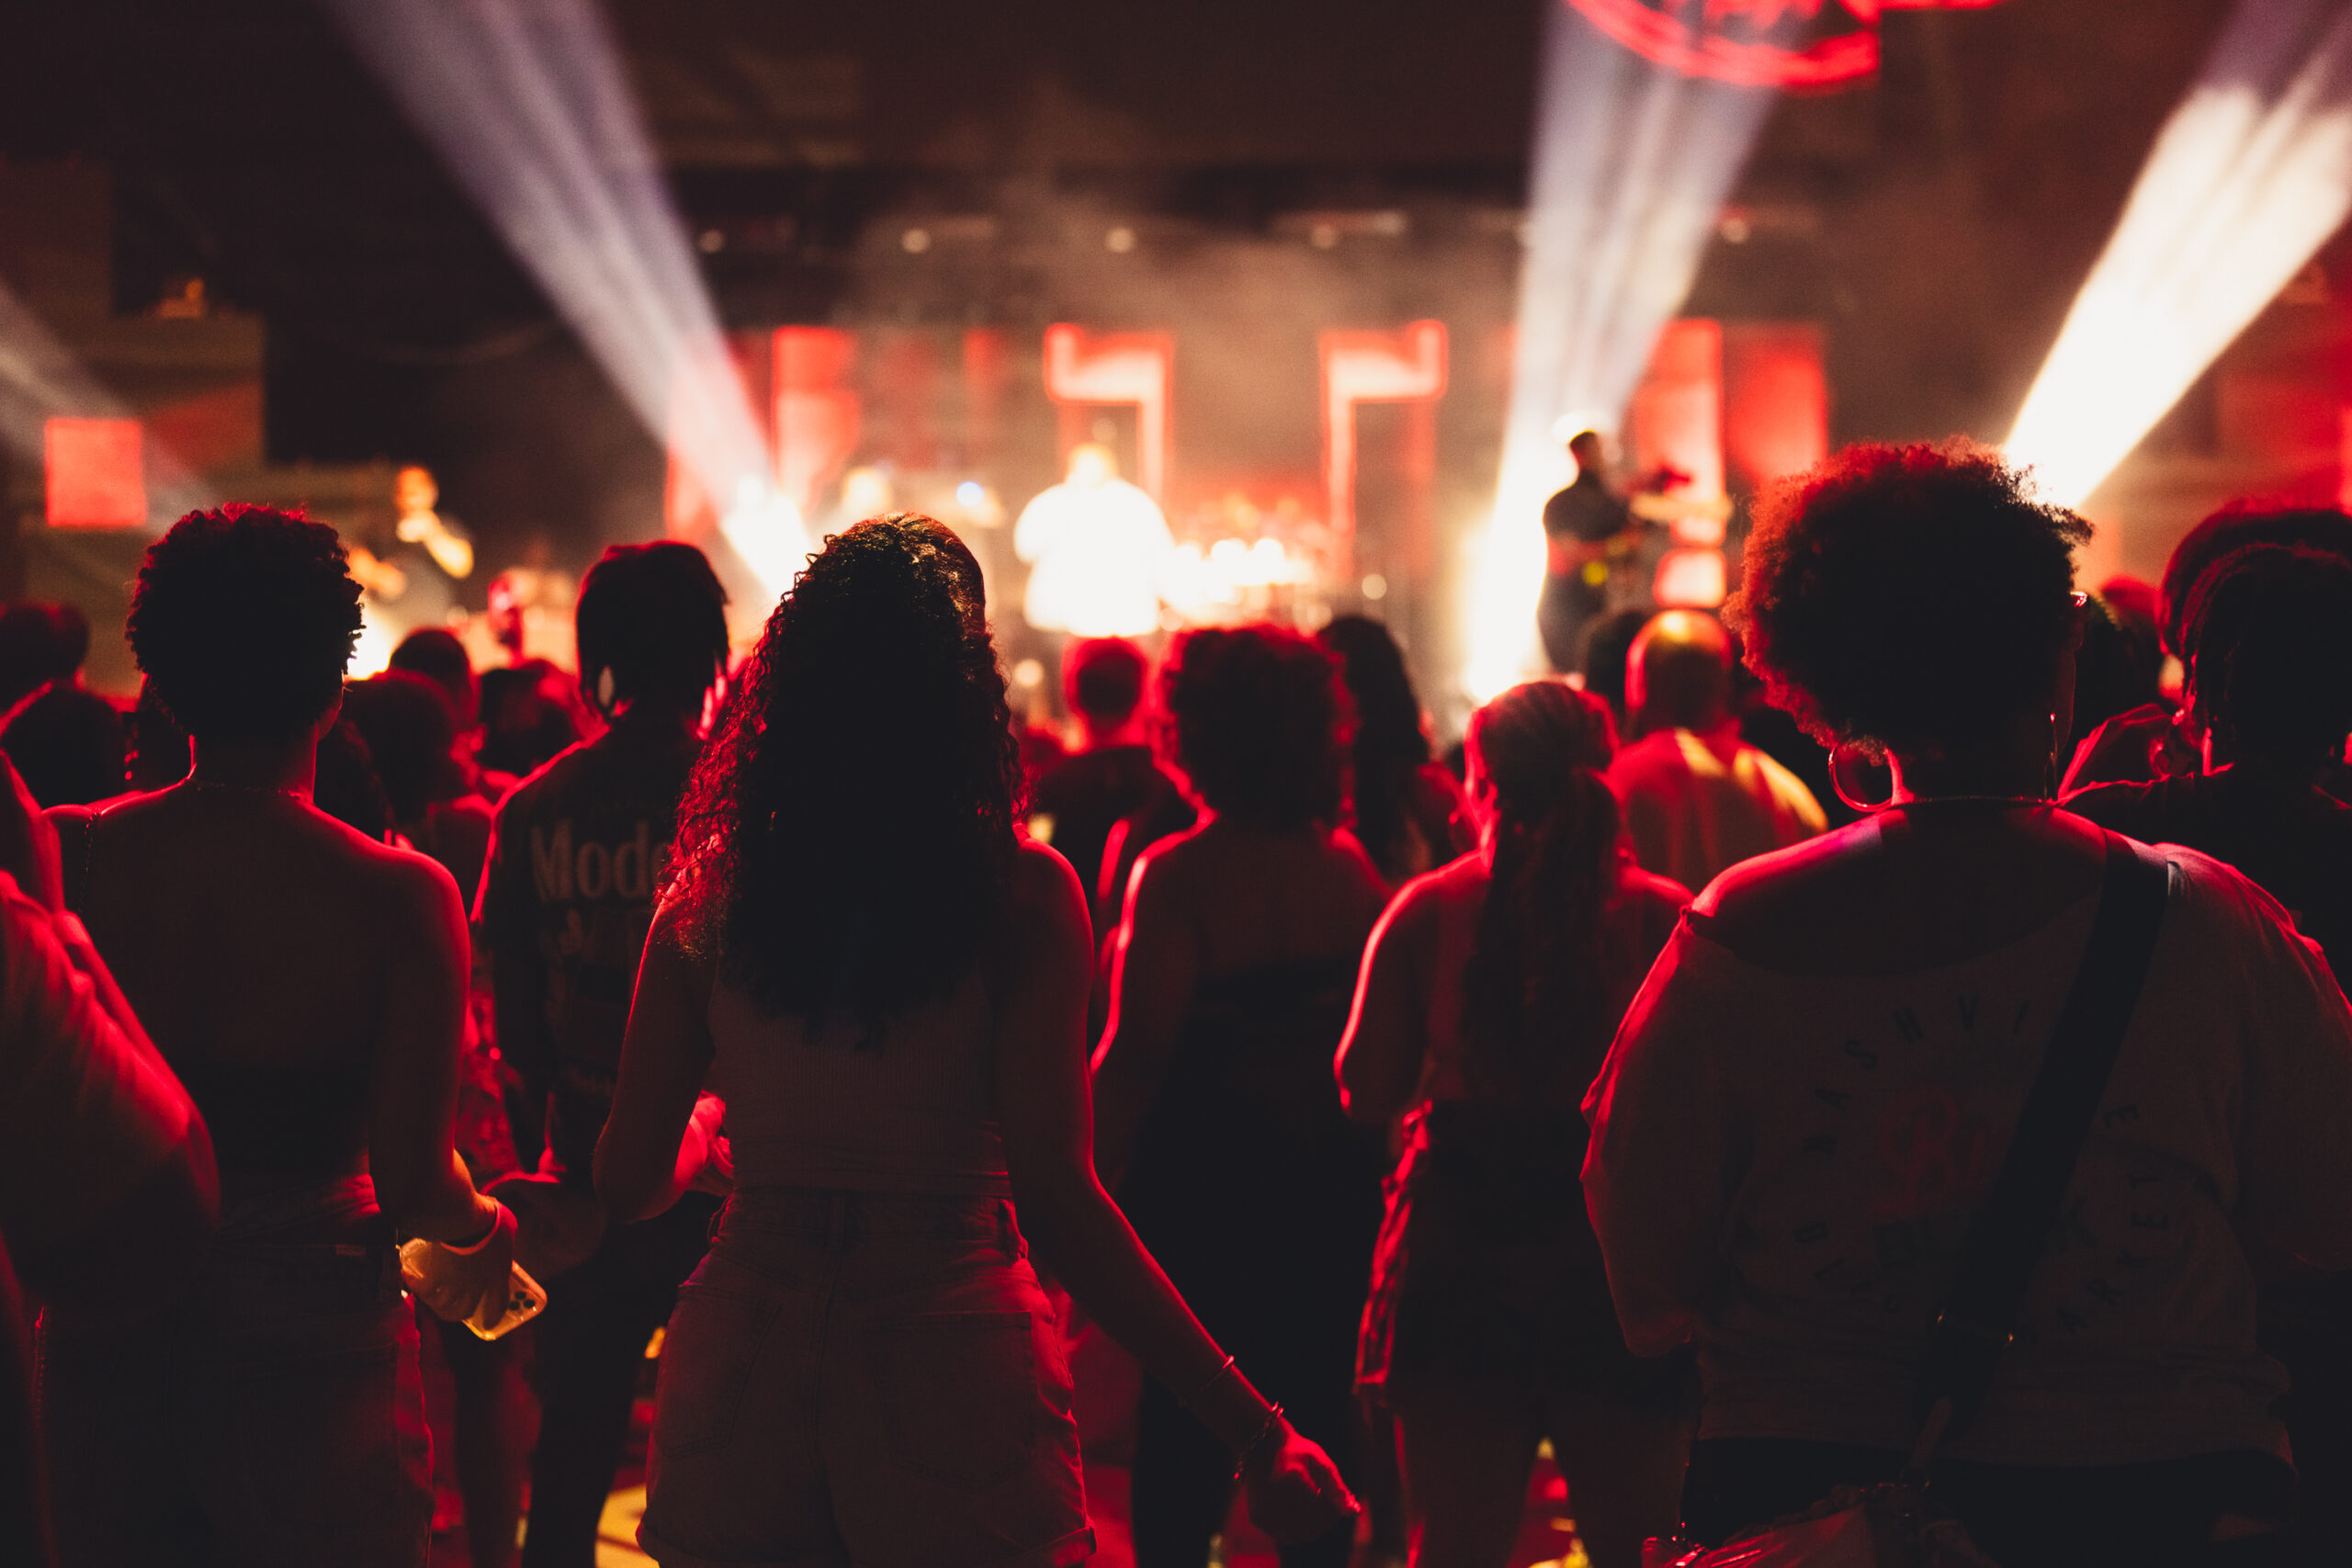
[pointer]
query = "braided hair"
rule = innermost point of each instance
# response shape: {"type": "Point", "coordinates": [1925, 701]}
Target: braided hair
{"type": "Point", "coordinates": [2268, 631]}
{"type": "Point", "coordinates": [1535, 993]}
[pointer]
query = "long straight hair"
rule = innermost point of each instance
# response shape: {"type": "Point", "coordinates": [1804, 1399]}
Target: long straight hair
{"type": "Point", "coordinates": [1536, 990]}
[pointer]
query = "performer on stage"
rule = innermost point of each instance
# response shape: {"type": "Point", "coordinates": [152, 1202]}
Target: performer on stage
{"type": "Point", "coordinates": [1097, 548]}
{"type": "Point", "coordinates": [413, 584]}
{"type": "Point", "coordinates": [1592, 532]}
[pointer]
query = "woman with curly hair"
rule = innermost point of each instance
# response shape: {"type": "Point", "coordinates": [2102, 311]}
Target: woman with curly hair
{"type": "Point", "coordinates": [1217, 1121]}
{"type": "Point", "coordinates": [307, 984]}
{"type": "Point", "coordinates": [1489, 992]}
{"type": "Point", "coordinates": [888, 986]}
{"type": "Point", "coordinates": [1810, 1099]}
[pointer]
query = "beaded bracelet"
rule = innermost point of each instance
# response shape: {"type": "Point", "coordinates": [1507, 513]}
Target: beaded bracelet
{"type": "Point", "coordinates": [1274, 1420]}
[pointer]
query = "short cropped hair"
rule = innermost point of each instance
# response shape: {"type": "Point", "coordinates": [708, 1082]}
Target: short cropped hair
{"type": "Point", "coordinates": [1908, 598]}
{"type": "Point", "coordinates": [1102, 677]}
{"type": "Point", "coordinates": [438, 655]}
{"type": "Point", "coordinates": [1258, 719]}
{"type": "Point", "coordinates": [654, 615]}
{"type": "Point", "coordinates": [244, 618]}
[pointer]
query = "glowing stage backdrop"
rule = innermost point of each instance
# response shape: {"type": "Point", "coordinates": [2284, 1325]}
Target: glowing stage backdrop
{"type": "Point", "coordinates": [2247, 179]}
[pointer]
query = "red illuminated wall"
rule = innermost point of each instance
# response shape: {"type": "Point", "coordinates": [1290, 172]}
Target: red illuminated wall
{"type": "Point", "coordinates": [94, 473]}
{"type": "Point", "coordinates": [1776, 400]}
{"type": "Point", "coordinates": [818, 414]}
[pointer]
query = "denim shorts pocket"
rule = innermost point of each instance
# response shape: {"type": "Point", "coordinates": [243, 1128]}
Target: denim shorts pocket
{"type": "Point", "coordinates": [958, 1393]}
{"type": "Point", "coordinates": [707, 1356]}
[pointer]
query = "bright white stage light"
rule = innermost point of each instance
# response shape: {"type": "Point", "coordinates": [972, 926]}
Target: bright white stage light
{"type": "Point", "coordinates": [1631, 164]}
{"type": "Point", "coordinates": [40, 380]}
{"type": "Point", "coordinates": [526, 102]}
{"type": "Point", "coordinates": [2248, 178]}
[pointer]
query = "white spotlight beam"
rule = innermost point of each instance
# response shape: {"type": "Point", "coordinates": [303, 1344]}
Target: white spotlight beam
{"type": "Point", "coordinates": [1631, 164]}
{"type": "Point", "coordinates": [526, 102]}
{"type": "Point", "coordinates": [2247, 179]}
{"type": "Point", "coordinates": [40, 380]}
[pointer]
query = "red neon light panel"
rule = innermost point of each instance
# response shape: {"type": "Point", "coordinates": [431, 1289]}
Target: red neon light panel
{"type": "Point", "coordinates": [1117, 367]}
{"type": "Point", "coordinates": [95, 477]}
{"type": "Point", "coordinates": [1407, 365]}
{"type": "Point", "coordinates": [817, 412]}
{"type": "Point", "coordinates": [1801, 45]}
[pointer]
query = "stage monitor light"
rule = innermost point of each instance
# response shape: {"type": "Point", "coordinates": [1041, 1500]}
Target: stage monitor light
{"type": "Point", "coordinates": [2247, 179]}
{"type": "Point", "coordinates": [528, 105]}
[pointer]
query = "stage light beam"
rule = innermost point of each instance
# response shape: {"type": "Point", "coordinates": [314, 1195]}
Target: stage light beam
{"type": "Point", "coordinates": [1633, 161]}
{"type": "Point", "coordinates": [2247, 179]}
{"type": "Point", "coordinates": [526, 102]}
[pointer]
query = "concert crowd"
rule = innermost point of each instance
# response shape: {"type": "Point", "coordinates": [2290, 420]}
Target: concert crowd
{"type": "Point", "coordinates": [1872, 1054]}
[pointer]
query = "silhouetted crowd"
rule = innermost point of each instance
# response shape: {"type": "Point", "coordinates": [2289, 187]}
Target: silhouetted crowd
{"type": "Point", "coordinates": [1865, 1061]}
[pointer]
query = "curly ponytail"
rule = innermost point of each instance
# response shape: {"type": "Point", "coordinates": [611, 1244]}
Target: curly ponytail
{"type": "Point", "coordinates": [1535, 993]}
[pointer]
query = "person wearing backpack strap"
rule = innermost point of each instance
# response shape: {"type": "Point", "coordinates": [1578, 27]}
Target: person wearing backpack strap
{"type": "Point", "coordinates": [1813, 1102]}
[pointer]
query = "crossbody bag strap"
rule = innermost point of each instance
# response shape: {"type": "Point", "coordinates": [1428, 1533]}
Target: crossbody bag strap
{"type": "Point", "coordinates": [2011, 1231]}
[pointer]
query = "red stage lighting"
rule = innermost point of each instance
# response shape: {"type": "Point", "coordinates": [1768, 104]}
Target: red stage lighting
{"type": "Point", "coordinates": [96, 479]}
{"type": "Point", "coordinates": [1799, 45]}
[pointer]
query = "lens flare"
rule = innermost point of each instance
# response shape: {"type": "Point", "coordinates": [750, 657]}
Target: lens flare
{"type": "Point", "coordinates": [1632, 165]}
{"type": "Point", "coordinates": [2247, 179]}
{"type": "Point", "coordinates": [526, 102]}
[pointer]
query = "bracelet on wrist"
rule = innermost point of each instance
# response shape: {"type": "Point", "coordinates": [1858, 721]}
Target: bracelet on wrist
{"type": "Point", "coordinates": [1210, 1382]}
{"type": "Point", "coordinates": [1271, 1425]}
{"type": "Point", "coordinates": [468, 1249]}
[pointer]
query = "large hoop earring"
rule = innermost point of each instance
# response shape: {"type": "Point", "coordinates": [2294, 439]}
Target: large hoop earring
{"type": "Point", "coordinates": [1850, 769]}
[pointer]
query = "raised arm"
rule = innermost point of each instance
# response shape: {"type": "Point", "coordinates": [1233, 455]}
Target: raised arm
{"type": "Point", "coordinates": [654, 1142]}
{"type": "Point", "coordinates": [1379, 1064]}
{"type": "Point", "coordinates": [1045, 1112]}
{"type": "Point", "coordinates": [1155, 964]}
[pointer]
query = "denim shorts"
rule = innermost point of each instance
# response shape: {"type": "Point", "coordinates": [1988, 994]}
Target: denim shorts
{"type": "Point", "coordinates": [865, 1378]}
{"type": "Point", "coordinates": [273, 1418]}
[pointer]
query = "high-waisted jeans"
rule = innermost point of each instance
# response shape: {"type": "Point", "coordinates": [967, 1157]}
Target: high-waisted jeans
{"type": "Point", "coordinates": [867, 1378]}
{"type": "Point", "coordinates": [273, 1419]}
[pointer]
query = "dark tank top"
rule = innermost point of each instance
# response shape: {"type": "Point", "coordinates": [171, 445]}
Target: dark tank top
{"type": "Point", "coordinates": [1245, 1171]}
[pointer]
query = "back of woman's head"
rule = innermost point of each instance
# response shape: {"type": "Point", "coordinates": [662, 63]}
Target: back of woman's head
{"type": "Point", "coordinates": [242, 619]}
{"type": "Point", "coordinates": [847, 838]}
{"type": "Point", "coordinates": [406, 722]}
{"type": "Point", "coordinates": [654, 618]}
{"type": "Point", "coordinates": [1257, 719]}
{"type": "Point", "coordinates": [2268, 634]}
{"type": "Point", "coordinates": [1913, 598]}
{"type": "Point", "coordinates": [1535, 995]}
